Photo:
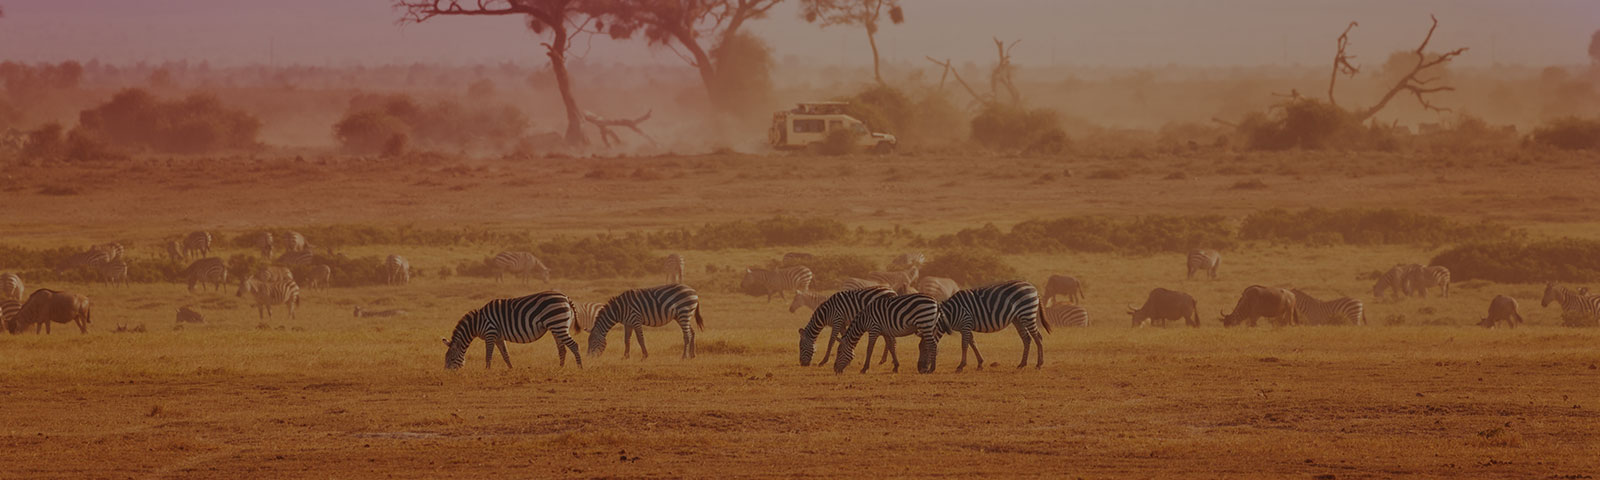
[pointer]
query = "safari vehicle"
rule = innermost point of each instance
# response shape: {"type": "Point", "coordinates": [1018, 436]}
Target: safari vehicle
{"type": "Point", "coordinates": [808, 125]}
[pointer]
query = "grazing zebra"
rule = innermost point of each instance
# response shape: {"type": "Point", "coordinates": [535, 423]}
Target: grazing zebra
{"type": "Point", "coordinates": [271, 292]}
{"type": "Point", "coordinates": [189, 315]}
{"type": "Point", "coordinates": [905, 261]}
{"type": "Point", "coordinates": [318, 275]}
{"type": "Point", "coordinates": [836, 313]}
{"type": "Point", "coordinates": [10, 286]}
{"type": "Point", "coordinates": [891, 317]}
{"type": "Point", "coordinates": [89, 258]}
{"type": "Point", "coordinates": [521, 264]}
{"type": "Point", "coordinates": [1062, 285]}
{"type": "Point", "coordinates": [1339, 311]}
{"type": "Point", "coordinates": [806, 299]}
{"type": "Point", "coordinates": [206, 270]}
{"type": "Point", "coordinates": [1394, 280]}
{"type": "Point", "coordinates": [112, 251]}
{"type": "Point", "coordinates": [296, 258]}
{"type": "Point", "coordinates": [517, 320]}
{"type": "Point", "coordinates": [853, 283]}
{"type": "Point", "coordinates": [991, 309]}
{"type": "Point", "coordinates": [797, 257]}
{"type": "Point", "coordinates": [274, 273]}
{"type": "Point", "coordinates": [1065, 315]}
{"type": "Point", "coordinates": [398, 270]}
{"type": "Point", "coordinates": [112, 272]}
{"type": "Point", "coordinates": [1206, 260]}
{"type": "Point", "coordinates": [364, 313]}
{"type": "Point", "coordinates": [1502, 308]}
{"type": "Point", "coordinates": [900, 281]}
{"type": "Point", "coordinates": [197, 243]}
{"type": "Point", "coordinates": [8, 313]}
{"type": "Point", "coordinates": [673, 266]}
{"type": "Point", "coordinates": [771, 282]}
{"type": "Point", "coordinates": [46, 306]}
{"type": "Point", "coordinates": [939, 288]}
{"type": "Point", "coordinates": [1418, 281]}
{"type": "Point", "coordinates": [583, 314]}
{"type": "Point", "coordinates": [647, 307]}
{"type": "Point", "coordinates": [175, 251]}
{"type": "Point", "coordinates": [264, 243]}
{"type": "Point", "coordinates": [1588, 306]}
{"type": "Point", "coordinates": [294, 242]}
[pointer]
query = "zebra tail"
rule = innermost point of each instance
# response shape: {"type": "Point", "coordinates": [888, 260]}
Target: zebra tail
{"type": "Point", "coordinates": [699, 322]}
{"type": "Point", "coordinates": [1042, 321]}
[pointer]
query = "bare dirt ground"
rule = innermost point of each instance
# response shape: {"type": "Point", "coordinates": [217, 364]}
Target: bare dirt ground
{"type": "Point", "coordinates": [328, 396]}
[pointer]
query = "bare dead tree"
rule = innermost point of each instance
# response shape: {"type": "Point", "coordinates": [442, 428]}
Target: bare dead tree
{"type": "Point", "coordinates": [605, 125]}
{"type": "Point", "coordinates": [1341, 63]}
{"type": "Point", "coordinates": [560, 17]}
{"type": "Point", "coordinates": [866, 13]}
{"type": "Point", "coordinates": [1001, 76]}
{"type": "Point", "coordinates": [949, 70]}
{"type": "Point", "coordinates": [1412, 81]}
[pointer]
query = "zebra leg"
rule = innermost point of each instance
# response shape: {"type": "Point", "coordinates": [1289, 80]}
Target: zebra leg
{"type": "Point", "coordinates": [503, 355]}
{"type": "Point", "coordinates": [627, 341]}
{"type": "Point", "coordinates": [488, 354]}
{"type": "Point", "coordinates": [832, 337]}
{"type": "Point", "coordinates": [888, 351]}
{"type": "Point", "coordinates": [638, 334]}
{"type": "Point", "coordinates": [872, 340]}
{"type": "Point", "coordinates": [1038, 343]}
{"type": "Point", "coordinates": [561, 353]}
{"type": "Point", "coordinates": [688, 341]}
{"type": "Point", "coordinates": [966, 342]}
{"type": "Point", "coordinates": [887, 340]}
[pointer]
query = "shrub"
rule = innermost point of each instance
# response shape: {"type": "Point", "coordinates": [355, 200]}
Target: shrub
{"type": "Point", "coordinates": [1354, 226]}
{"type": "Point", "coordinates": [1001, 127]}
{"type": "Point", "coordinates": [839, 142]}
{"type": "Point", "coordinates": [1312, 125]}
{"type": "Point", "coordinates": [882, 108]}
{"type": "Point", "coordinates": [972, 267]}
{"type": "Point", "coordinates": [1148, 234]}
{"type": "Point", "coordinates": [772, 232]}
{"type": "Point", "coordinates": [199, 123]}
{"type": "Point", "coordinates": [1564, 260]}
{"type": "Point", "coordinates": [388, 124]}
{"type": "Point", "coordinates": [370, 132]}
{"type": "Point", "coordinates": [1570, 133]}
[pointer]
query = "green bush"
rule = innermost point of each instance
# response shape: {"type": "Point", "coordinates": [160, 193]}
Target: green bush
{"type": "Point", "coordinates": [1570, 133]}
{"type": "Point", "coordinates": [388, 123]}
{"type": "Point", "coordinates": [971, 267]}
{"type": "Point", "coordinates": [199, 123]}
{"type": "Point", "coordinates": [1564, 260]}
{"type": "Point", "coordinates": [1147, 234]}
{"type": "Point", "coordinates": [1354, 226]}
{"type": "Point", "coordinates": [1006, 128]}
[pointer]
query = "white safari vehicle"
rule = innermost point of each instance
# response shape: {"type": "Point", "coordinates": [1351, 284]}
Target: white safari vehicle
{"type": "Point", "coordinates": [809, 123]}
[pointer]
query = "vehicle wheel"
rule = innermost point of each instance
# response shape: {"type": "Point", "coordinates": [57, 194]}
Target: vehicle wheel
{"type": "Point", "coordinates": [883, 148]}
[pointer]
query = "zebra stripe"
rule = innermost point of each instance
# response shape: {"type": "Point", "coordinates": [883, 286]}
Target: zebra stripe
{"type": "Point", "coordinates": [113, 251]}
{"type": "Point", "coordinates": [891, 317]}
{"type": "Point", "coordinates": [1418, 281]}
{"type": "Point", "coordinates": [1065, 315]}
{"type": "Point", "coordinates": [197, 243]}
{"type": "Point", "coordinates": [583, 314]}
{"type": "Point", "coordinates": [771, 282]}
{"type": "Point", "coordinates": [113, 272]}
{"type": "Point", "coordinates": [1394, 280]}
{"type": "Point", "coordinates": [905, 261]}
{"type": "Point", "coordinates": [939, 288]}
{"type": "Point", "coordinates": [991, 309]}
{"type": "Point", "coordinates": [1339, 311]}
{"type": "Point", "coordinates": [8, 314]}
{"type": "Point", "coordinates": [398, 270]}
{"type": "Point", "coordinates": [267, 293]}
{"type": "Point", "coordinates": [808, 300]}
{"type": "Point", "coordinates": [899, 280]}
{"type": "Point", "coordinates": [853, 283]}
{"type": "Point", "coordinates": [1571, 302]}
{"type": "Point", "coordinates": [1206, 260]}
{"type": "Point", "coordinates": [647, 307]}
{"type": "Point", "coordinates": [89, 258]}
{"type": "Point", "coordinates": [10, 286]}
{"type": "Point", "coordinates": [206, 270]}
{"type": "Point", "coordinates": [294, 242]}
{"type": "Point", "coordinates": [673, 266]}
{"type": "Point", "coordinates": [517, 320]}
{"type": "Point", "coordinates": [318, 275]}
{"type": "Point", "coordinates": [264, 243]}
{"type": "Point", "coordinates": [296, 258]}
{"type": "Point", "coordinates": [521, 264]}
{"type": "Point", "coordinates": [274, 273]}
{"type": "Point", "coordinates": [837, 312]}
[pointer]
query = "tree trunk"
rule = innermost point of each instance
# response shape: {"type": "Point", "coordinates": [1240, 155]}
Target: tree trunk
{"type": "Point", "coordinates": [702, 63]}
{"type": "Point", "coordinates": [873, 41]}
{"type": "Point", "coordinates": [558, 63]}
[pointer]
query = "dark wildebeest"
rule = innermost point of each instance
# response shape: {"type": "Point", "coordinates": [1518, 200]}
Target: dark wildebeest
{"type": "Point", "coordinates": [1162, 305]}
{"type": "Point", "coordinates": [47, 306]}
{"type": "Point", "coordinates": [1276, 304]}
{"type": "Point", "coordinates": [1062, 285]}
{"type": "Point", "coordinates": [1502, 308]}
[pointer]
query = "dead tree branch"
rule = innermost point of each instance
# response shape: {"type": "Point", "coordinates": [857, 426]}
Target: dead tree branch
{"type": "Point", "coordinates": [1001, 77]}
{"type": "Point", "coordinates": [1418, 86]}
{"type": "Point", "coordinates": [1341, 63]}
{"type": "Point", "coordinates": [605, 124]}
{"type": "Point", "coordinates": [949, 70]}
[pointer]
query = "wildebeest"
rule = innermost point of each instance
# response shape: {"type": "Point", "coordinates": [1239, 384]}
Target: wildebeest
{"type": "Point", "coordinates": [1276, 304]}
{"type": "Point", "coordinates": [1163, 305]}
{"type": "Point", "coordinates": [1502, 308]}
{"type": "Point", "coordinates": [47, 306]}
{"type": "Point", "coordinates": [189, 315]}
{"type": "Point", "coordinates": [1062, 285]}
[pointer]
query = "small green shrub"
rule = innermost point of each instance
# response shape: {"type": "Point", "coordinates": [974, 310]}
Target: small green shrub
{"type": "Point", "coordinates": [1564, 260]}
{"type": "Point", "coordinates": [972, 267]}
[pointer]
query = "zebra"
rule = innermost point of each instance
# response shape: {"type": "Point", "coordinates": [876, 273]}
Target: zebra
{"type": "Point", "coordinates": [1394, 280]}
{"type": "Point", "coordinates": [317, 276]}
{"type": "Point", "coordinates": [1588, 306]}
{"type": "Point", "coordinates": [772, 282]}
{"type": "Point", "coordinates": [1333, 312]}
{"type": "Point", "coordinates": [991, 309]}
{"type": "Point", "coordinates": [189, 315]}
{"type": "Point", "coordinates": [10, 286]}
{"type": "Point", "coordinates": [518, 320]}
{"type": "Point", "coordinates": [274, 273]}
{"type": "Point", "coordinates": [583, 314]}
{"type": "Point", "coordinates": [647, 307]}
{"type": "Point", "coordinates": [112, 251]}
{"type": "Point", "coordinates": [197, 243]}
{"type": "Point", "coordinates": [806, 299]}
{"type": "Point", "coordinates": [364, 313]}
{"type": "Point", "coordinates": [940, 288]}
{"type": "Point", "coordinates": [175, 251]}
{"type": "Point", "coordinates": [891, 317]}
{"type": "Point", "coordinates": [89, 258]}
{"type": "Point", "coordinates": [1064, 315]}
{"type": "Point", "coordinates": [1420, 280]}
{"type": "Point", "coordinates": [853, 283]}
{"type": "Point", "coordinates": [837, 312]}
{"type": "Point", "coordinates": [1062, 285]}
{"type": "Point", "coordinates": [1206, 260]}
{"type": "Point", "coordinates": [264, 243]}
{"type": "Point", "coordinates": [112, 272]}
{"type": "Point", "coordinates": [294, 242]}
{"type": "Point", "coordinates": [900, 281]}
{"type": "Point", "coordinates": [905, 261]}
{"type": "Point", "coordinates": [271, 292]}
{"type": "Point", "coordinates": [398, 270]}
{"type": "Point", "coordinates": [522, 264]}
{"type": "Point", "coordinates": [296, 258]}
{"type": "Point", "coordinates": [673, 266]}
{"type": "Point", "coordinates": [8, 313]}
{"type": "Point", "coordinates": [206, 270]}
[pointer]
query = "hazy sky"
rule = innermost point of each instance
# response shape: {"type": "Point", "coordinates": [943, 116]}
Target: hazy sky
{"type": "Point", "coordinates": [1087, 32]}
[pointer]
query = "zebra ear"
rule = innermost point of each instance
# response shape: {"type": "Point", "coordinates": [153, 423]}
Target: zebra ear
{"type": "Point", "coordinates": [445, 340]}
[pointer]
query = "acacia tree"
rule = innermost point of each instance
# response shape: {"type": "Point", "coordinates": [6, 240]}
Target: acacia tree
{"type": "Point", "coordinates": [564, 19]}
{"type": "Point", "coordinates": [697, 26]}
{"type": "Point", "coordinates": [827, 13]}
{"type": "Point", "coordinates": [1410, 80]}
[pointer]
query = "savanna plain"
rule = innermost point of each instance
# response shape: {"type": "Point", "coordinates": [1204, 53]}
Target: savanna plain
{"type": "Point", "coordinates": [1418, 392]}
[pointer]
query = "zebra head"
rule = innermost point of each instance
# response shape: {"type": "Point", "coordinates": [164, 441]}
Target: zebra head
{"type": "Point", "coordinates": [808, 346]}
{"type": "Point", "coordinates": [603, 320]}
{"type": "Point", "coordinates": [455, 353]}
{"type": "Point", "coordinates": [1551, 293]}
{"type": "Point", "coordinates": [246, 285]}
